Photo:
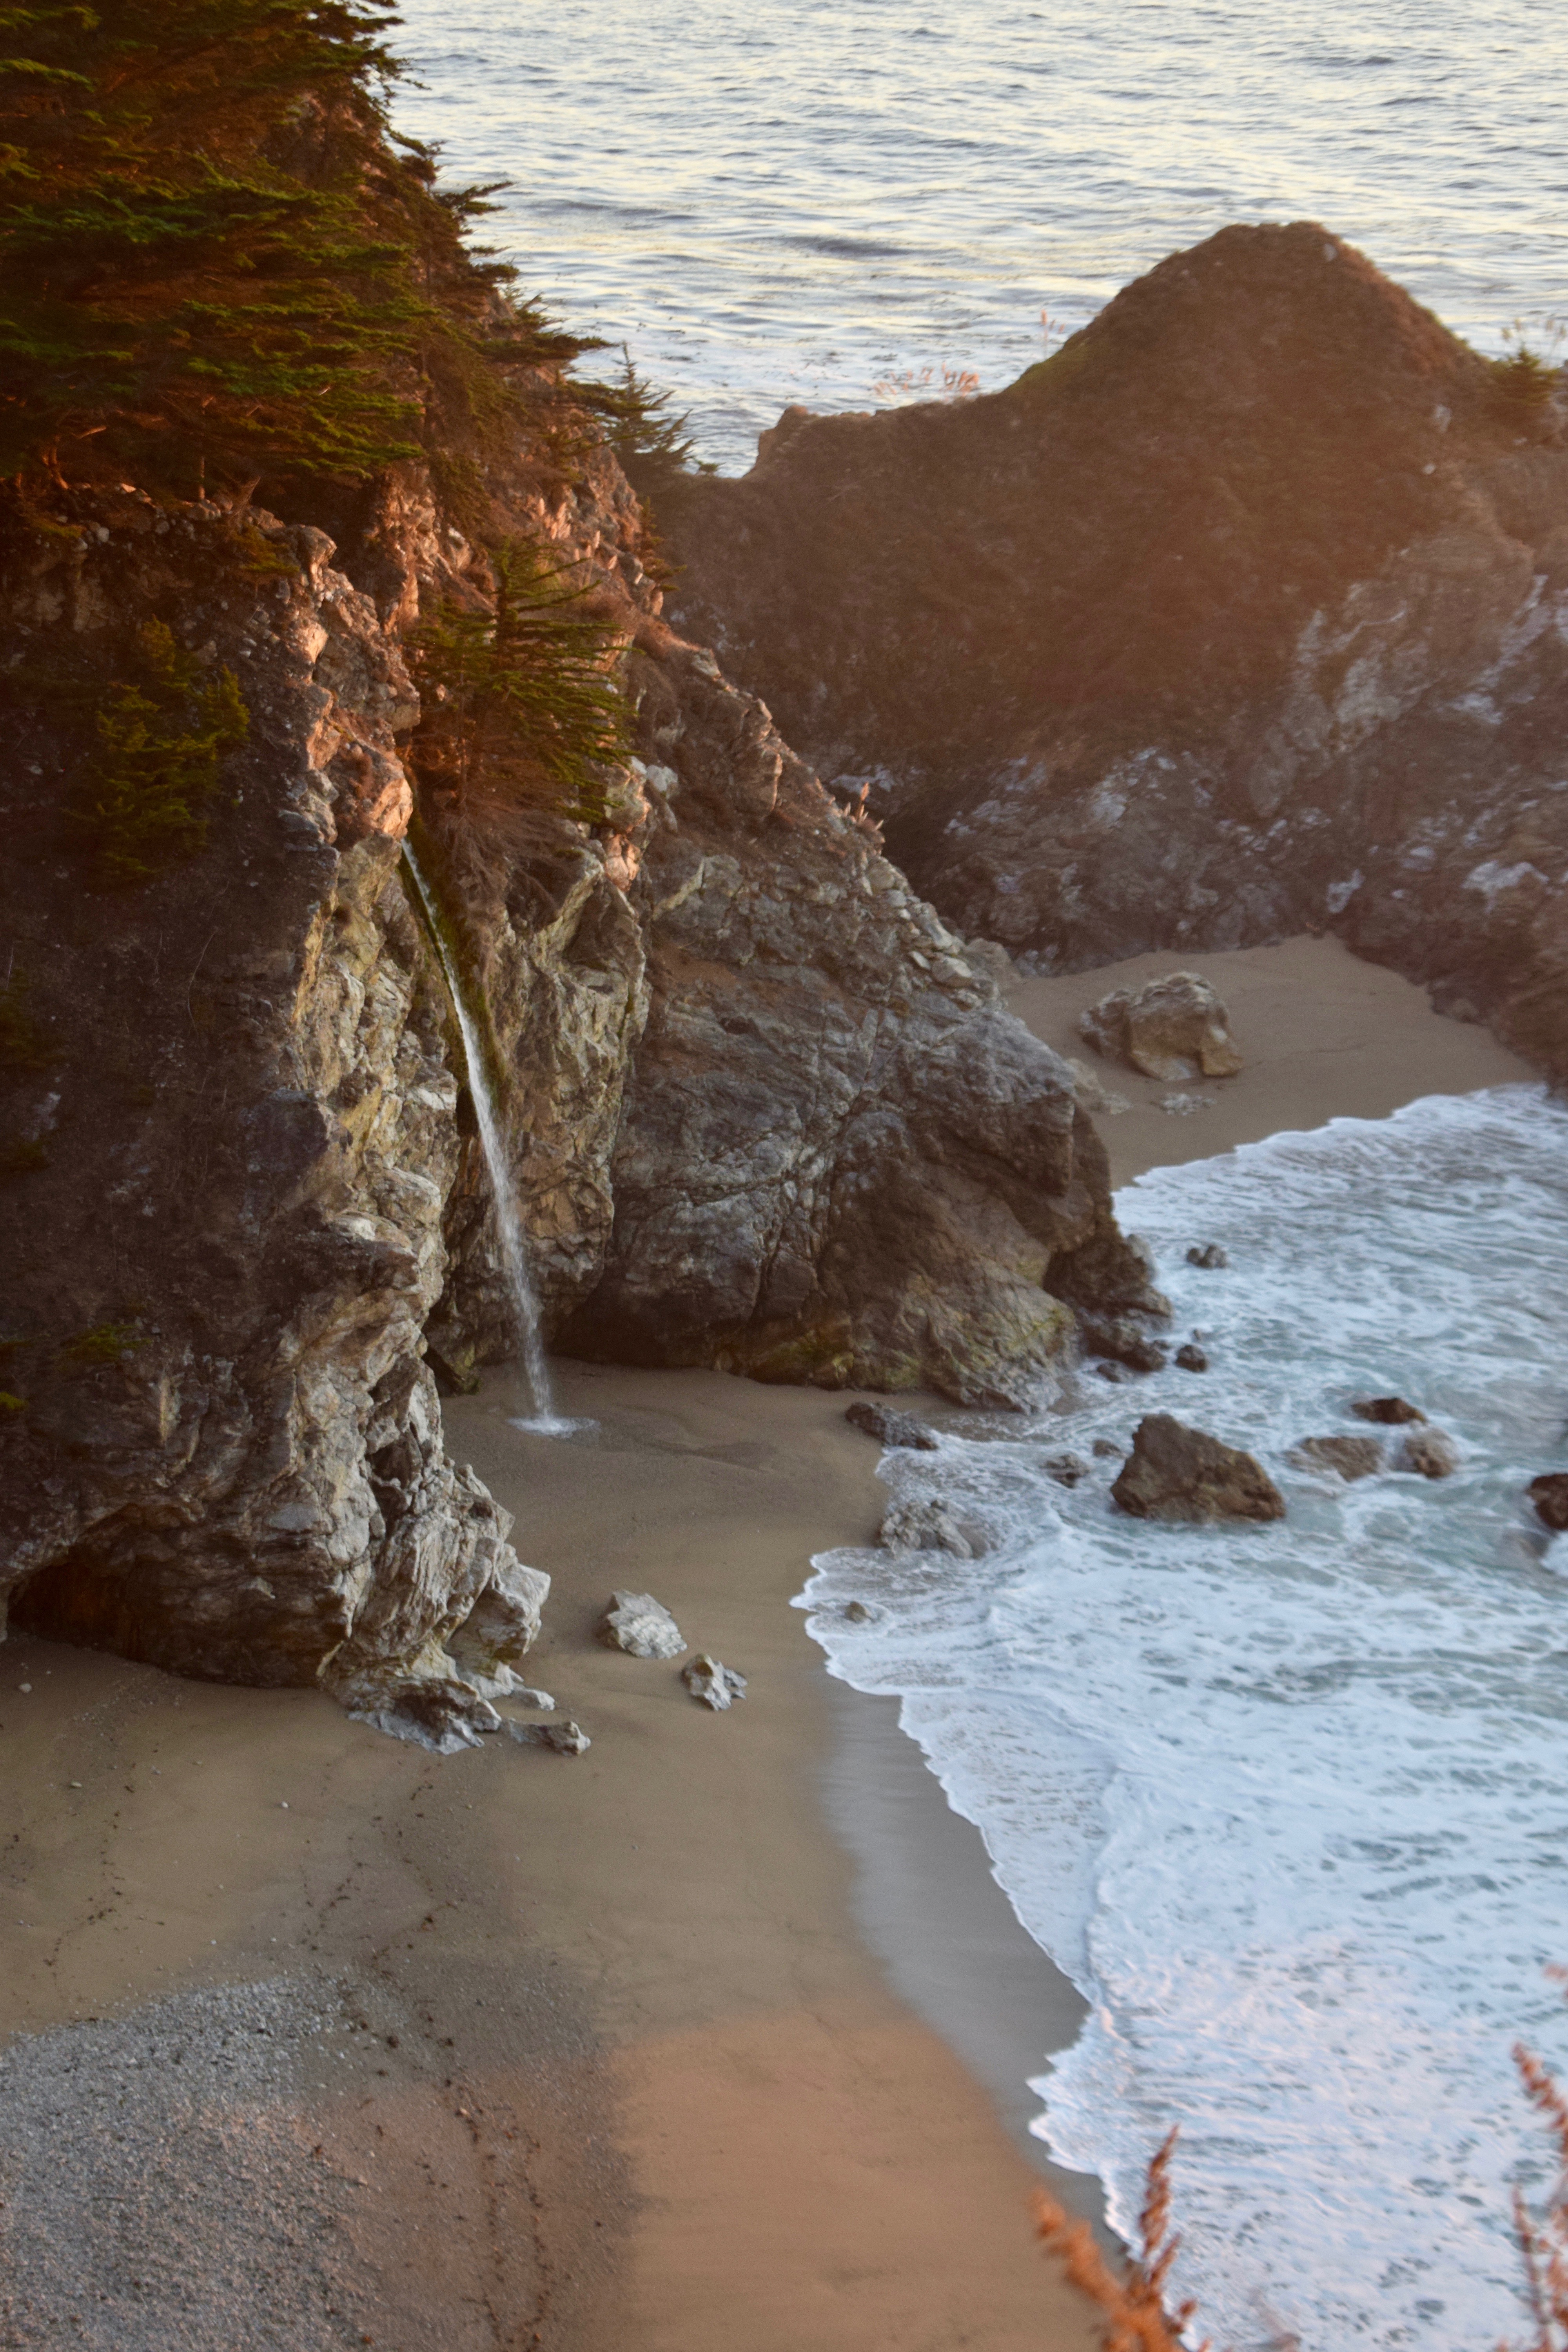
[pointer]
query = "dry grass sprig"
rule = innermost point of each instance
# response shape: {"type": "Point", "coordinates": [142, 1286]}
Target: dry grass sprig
{"type": "Point", "coordinates": [1543, 2236]}
{"type": "Point", "coordinates": [1137, 2317]}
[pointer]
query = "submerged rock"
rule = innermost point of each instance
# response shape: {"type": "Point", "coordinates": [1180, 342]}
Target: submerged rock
{"type": "Point", "coordinates": [1066, 1469]}
{"type": "Point", "coordinates": [1191, 1357]}
{"type": "Point", "coordinates": [1180, 1474]}
{"type": "Point", "coordinates": [858, 1613]}
{"type": "Point", "coordinates": [1176, 1027]}
{"type": "Point", "coordinates": [891, 1427]}
{"type": "Point", "coordinates": [926, 1525]}
{"type": "Point", "coordinates": [1123, 1340]}
{"type": "Point", "coordinates": [1430, 1452]}
{"type": "Point", "coordinates": [1390, 1411]}
{"type": "Point", "coordinates": [1548, 1493]}
{"type": "Point", "coordinates": [1351, 1457]}
{"type": "Point", "coordinates": [712, 1683]}
{"type": "Point", "coordinates": [1207, 1253]}
{"type": "Point", "coordinates": [641, 1626]}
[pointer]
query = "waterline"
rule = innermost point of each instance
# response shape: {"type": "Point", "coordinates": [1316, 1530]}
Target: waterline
{"type": "Point", "coordinates": [544, 1419]}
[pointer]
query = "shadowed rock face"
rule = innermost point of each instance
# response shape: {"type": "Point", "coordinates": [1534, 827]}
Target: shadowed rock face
{"type": "Point", "coordinates": [1245, 613]}
{"type": "Point", "coordinates": [765, 1112]}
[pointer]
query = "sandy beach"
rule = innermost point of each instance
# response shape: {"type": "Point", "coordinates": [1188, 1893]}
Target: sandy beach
{"type": "Point", "coordinates": [712, 2037]}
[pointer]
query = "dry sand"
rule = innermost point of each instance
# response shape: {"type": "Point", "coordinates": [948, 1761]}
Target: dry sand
{"type": "Point", "coordinates": [1325, 1036]}
{"type": "Point", "coordinates": [507, 2050]}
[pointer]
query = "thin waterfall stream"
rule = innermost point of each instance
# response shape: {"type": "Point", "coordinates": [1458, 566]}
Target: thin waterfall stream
{"type": "Point", "coordinates": [545, 1418]}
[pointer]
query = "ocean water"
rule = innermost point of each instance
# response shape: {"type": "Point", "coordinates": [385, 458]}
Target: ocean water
{"type": "Point", "coordinates": [804, 201]}
{"type": "Point", "coordinates": [1289, 1804]}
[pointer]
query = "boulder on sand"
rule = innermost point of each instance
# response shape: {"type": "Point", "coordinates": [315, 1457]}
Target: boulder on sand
{"type": "Point", "coordinates": [1180, 1474]}
{"type": "Point", "coordinates": [1353, 1457]}
{"type": "Point", "coordinates": [1171, 1028]}
{"type": "Point", "coordinates": [1548, 1493]}
{"type": "Point", "coordinates": [641, 1626]}
{"type": "Point", "coordinates": [713, 1683]}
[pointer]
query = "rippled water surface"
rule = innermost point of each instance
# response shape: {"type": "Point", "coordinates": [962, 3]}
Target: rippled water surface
{"type": "Point", "coordinates": [798, 201]}
{"type": "Point", "coordinates": [1288, 1802]}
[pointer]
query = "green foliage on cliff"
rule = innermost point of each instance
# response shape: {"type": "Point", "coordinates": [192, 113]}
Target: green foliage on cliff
{"type": "Point", "coordinates": [644, 429]}
{"type": "Point", "coordinates": [142, 801]}
{"type": "Point", "coordinates": [522, 703]}
{"type": "Point", "coordinates": [214, 261]}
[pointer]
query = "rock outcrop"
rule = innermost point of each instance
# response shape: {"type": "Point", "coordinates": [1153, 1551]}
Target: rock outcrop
{"type": "Point", "coordinates": [767, 1113]}
{"type": "Point", "coordinates": [1171, 1028]}
{"type": "Point", "coordinates": [1183, 1475]}
{"type": "Point", "coordinates": [1244, 614]}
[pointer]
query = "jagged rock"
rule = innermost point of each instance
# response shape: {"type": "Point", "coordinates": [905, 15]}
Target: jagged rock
{"type": "Point", "coordinates": [567, 1738]}
{"type": "Point", "coordinates": [1207, 1253]}
{"type": "Point", "coordinates": [924, 1526]}
{"type": "Point", "coordinates": [1180, 1474]}
{"type": "Point", "coordinates": [1124, 1341]}
{"type": "Point", "coordinates": [1315, 700]}
{"type": "Point", "coordinates": [641, 1626]}
{"type": "Point", "coordinates": [443, 1715]}
{"type": "Point", "coordinates": [1430, 1452]}
{"type": "Point", "coordinates": [891, 1427]}
{"type": "Point", "coordinates": [778, 1119]}
{"type": "Point", "coordinates": [713, 1685]}
{"type": "Point", "coordinates": [1548, 1494]}
{"type": "Point", "coordinates": [1191, 1357]}
{"type": "Point", "coordinates": [1351, 1457]}
{"type": "Point", "coordinates": [1390, 1411]}
{"type": "Point", "coordinates": [1092, 1095]}
{"type": "Point", "coordinates": [841, 1159]}
{"type": "Point", "coordinates": [1066, 1469]}
{"type": "Point", "coordinates": [1176, 1027]}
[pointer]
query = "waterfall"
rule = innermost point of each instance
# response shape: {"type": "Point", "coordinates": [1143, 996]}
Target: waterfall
{"type": "Point", "coordinates": [504, 1191]}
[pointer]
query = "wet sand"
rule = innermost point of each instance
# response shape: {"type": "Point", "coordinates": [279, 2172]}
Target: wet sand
{"type": "Point", "coordinates": [712, 2037]}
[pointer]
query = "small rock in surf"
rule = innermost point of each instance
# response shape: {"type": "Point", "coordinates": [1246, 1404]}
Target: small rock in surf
{"type": "Point", "coordinates": [1548, 1493]}
{"type": "Point", "coordinates": [1351, 1457]}
{"type": "Point", "coordinates": [1207, 1253]}
{"type": "Point", "coordinates": [1393, 1412]}
{"type": "Point", "coordinates": [1174, 1472]}
{"type": "Point", "coordinates": [1431, 1452]}
{"type": "Point", "coordinates": [891, 1427]}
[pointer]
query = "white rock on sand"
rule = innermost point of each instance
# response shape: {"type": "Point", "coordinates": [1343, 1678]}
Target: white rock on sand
{"type": "Point", "coordinates": [641, 1626]}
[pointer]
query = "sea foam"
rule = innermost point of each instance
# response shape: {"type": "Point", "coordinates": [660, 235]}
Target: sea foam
{"type": "Point", "coordinates": [1287, 1803]}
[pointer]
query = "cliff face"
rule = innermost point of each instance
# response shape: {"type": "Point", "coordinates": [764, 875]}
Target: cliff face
{"type": "Point", "coordinates": [1244, 614]}
{"type": "Point", "coordinates": [767, 1112]}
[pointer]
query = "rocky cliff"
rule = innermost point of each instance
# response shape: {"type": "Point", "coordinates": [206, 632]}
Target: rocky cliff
{"type": "Point", "coordinates": [1244, 613]}
{"type": "Point", "coordinates": [767, 1110]}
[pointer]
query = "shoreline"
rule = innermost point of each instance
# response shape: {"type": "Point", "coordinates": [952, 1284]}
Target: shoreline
{"type": "Point", "coordinates": [716, 2034]}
